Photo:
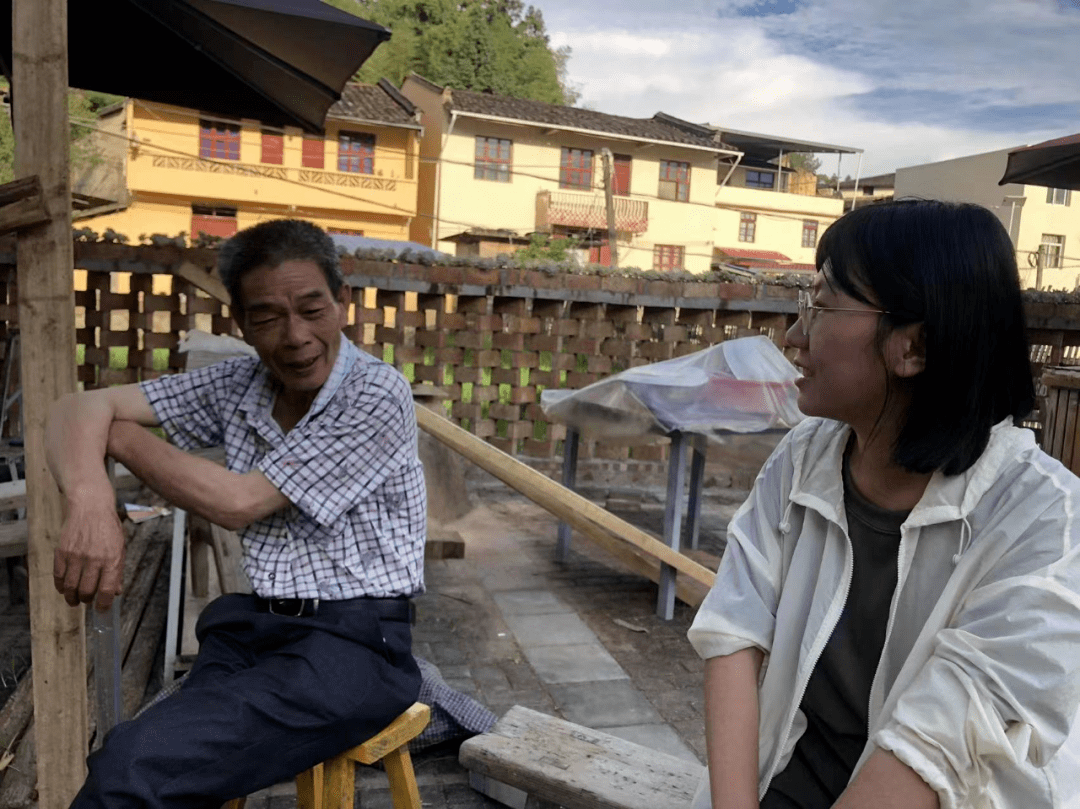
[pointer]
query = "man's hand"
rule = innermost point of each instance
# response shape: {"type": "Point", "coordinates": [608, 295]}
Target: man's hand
{"type": "Point", "coordinates": [89, 562]}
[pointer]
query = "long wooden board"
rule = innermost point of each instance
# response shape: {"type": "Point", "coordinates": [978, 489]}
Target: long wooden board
{"type": "Point", "coordinates": [577, 767]}
{"type": "Point", "coordinates": [592, 520]}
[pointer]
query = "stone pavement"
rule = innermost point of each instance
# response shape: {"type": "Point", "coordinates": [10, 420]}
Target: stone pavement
{"type": "Point", "coordinates": [508, 625]}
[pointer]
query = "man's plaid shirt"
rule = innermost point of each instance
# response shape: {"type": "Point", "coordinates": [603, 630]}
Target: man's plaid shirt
{"type": "Point", "coordinates": [349, 467]}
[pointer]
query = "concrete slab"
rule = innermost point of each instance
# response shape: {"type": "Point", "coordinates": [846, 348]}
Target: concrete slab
{"type": "Point", "coordinates": [574, 663]}
{"type": "Point", "coordinates": [660, 737]}
{"type": "Point", "coordinates": [530, 602]}
{"type": "Point", "coordinates": [549, 630]}
{"type": "Point", "coordinates": [602, 705]}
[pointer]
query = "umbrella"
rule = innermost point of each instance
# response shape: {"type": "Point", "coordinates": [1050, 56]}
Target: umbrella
{"type": "Point", "coordinates": [1054, 163]}
{"type": "Point", "coordinates": [282, 62]}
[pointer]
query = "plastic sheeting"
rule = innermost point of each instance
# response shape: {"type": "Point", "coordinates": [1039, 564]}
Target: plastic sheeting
{"type": "Point", "coordinates": [743, 386]}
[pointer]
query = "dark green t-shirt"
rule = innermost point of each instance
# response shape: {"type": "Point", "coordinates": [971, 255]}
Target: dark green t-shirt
{"type": "Point", "coordinates": [837, 697]}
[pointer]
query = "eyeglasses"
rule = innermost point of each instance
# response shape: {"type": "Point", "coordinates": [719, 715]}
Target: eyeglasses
{"type": "Point", "coordinates": [807, 309]}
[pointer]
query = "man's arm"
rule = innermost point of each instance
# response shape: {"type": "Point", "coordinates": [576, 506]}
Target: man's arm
{"type": "Point", "coordinates": [731, 728]}
{"type": "Point", "coordinates": [199, 485]}
{"type": "Point", "coordinates": [89, 559]}
{"type": "Point", "coordinates": [885, 782]}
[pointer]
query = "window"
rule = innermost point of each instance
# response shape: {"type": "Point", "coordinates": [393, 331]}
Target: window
{"type": "Point", "coordinates": [621, 170]}
{"type": "Point", "coordinates": [747, 227]}
{"type": "Point", "coordinates": [1052, 248]}
{"type": "Point", "coordinates": [219, 141]}
{"type": "Point", "coordinates": [760, 179]}
{"type": "Point", "coordinates": [345, 232]}
{"type": "Point", "coordinates": [667, 257]}
{"type": "Point", "coordinates": [356, 152]}
{"type": "Point", "coordinates": [1057, 196]}
{"type": "Point", "coordinates": [213, 221]}
{"type": "Point", "coordinates": [492, 159]}
{"type": "Point", "coordinates": [576, 168]}
{"type": "Point", "coordinates": [809, 233]}
{"type": "Point", "coordinates": [674, 180]}
{"type": "Point", "coordinates": [312, 152]}
{"type": "Point", "coordinates": [273, 147]}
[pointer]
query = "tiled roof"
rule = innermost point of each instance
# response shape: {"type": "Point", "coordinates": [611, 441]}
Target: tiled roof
{"type": "Point", "coordinates": [738, 252]}
{"type": "Point", "coordinates": [377, 103]}
{"type": "Point", "coordinates": [660, 127]}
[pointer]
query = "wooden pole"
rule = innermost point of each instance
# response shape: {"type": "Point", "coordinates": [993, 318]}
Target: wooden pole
{"type": "Point", "coordinates": [45, 262]}
{"type": "Point", "coordinates": [609, 203]}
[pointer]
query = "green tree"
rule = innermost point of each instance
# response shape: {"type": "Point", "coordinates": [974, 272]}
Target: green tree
{"type": "Point", "coordinates": [543, 247]}
{"type": "Point", "coordinates": [498, 46]}
{"type": "Point", "coordinates": [802, 160]}
{"type": "Point", "coordinates": [82, 106]}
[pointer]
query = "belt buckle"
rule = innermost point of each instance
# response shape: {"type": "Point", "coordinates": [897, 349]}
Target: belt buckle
{"type": "Point", "coordinates": [301, 604]}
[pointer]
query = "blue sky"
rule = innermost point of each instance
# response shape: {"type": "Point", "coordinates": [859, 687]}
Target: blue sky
{"type": "Point", "coordinates": [908, 81]}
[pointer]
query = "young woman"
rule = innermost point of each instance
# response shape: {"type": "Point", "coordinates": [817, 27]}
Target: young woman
{"type": "Point", "coordinates": [896, 620]}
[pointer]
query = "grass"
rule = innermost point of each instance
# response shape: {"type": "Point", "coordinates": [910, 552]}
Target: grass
{"type": "Point", "coordinates": [118, 357]}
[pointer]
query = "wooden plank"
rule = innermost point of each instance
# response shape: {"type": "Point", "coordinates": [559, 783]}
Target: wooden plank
{"type": "Point", "coordinates": [13, 539]}
{"type": "Point", "coordinates": [1072, 401]}
{"type": "Point", "coordinates": [22, 204]}
{"type": "Point", "coordinates": [576, 767]}
{"type": "Point", "coordinates": [45, 261]}
{"type": "Point", "coordinates": [569, 506]}
{"type": "Point", "coordinates": [210, 284]}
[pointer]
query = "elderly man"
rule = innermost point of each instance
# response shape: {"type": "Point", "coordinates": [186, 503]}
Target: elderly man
{"type": "Point", "coordinates": [324, 484]}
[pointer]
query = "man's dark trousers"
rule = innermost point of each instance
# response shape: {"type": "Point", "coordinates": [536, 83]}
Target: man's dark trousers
{"type": "Point", "coordinates": [269, 696]}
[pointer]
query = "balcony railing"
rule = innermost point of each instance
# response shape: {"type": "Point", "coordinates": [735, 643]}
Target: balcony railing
{"type": "Point", "coordinates": [306, 176]}
{"type": "Point", "coordinates": [585, 210]}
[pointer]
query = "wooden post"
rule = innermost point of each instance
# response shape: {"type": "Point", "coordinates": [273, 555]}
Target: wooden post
{"type": "Point", "coordinates": [609, 203]}
{"type": "Point", "coordinates": [47, 324]}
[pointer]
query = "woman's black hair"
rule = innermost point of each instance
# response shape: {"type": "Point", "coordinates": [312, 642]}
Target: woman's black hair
{"type": "Point", "coordinates": [952, 268]}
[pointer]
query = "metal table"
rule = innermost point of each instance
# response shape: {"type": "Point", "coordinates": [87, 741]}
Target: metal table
{"type": "Point", "coordinates": [682, 443]}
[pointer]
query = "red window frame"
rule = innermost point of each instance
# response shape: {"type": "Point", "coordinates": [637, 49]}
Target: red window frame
{"type": "Point", "coordinates": [218, 140]}
{"type": "Point", "coordinates": [747, 227]}
{"type": "Point", "coordinates": [312, 152]}
{"type": "Point", "coordinates": [576, 168]}
{"type": "Point", "coordinates": [674, 180]}
{"type": "Point", "coordinates": [273, 147]}
{"type": "Point", "coordinates": [809, 233]}
{"type": "Point", "coordinates": [494, 159]}
{"type": "Point", "coordinates": [356, 152]}
{"type": "Point", "coordinates": [668, 257]}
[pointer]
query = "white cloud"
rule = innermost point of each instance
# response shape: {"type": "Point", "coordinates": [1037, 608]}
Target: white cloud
{"type": "Point", "coordinates": [942, 76]}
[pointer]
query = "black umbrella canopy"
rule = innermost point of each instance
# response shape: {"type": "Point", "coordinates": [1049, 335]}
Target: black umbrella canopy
{"type": "Point", "coordinates": [1054, 163]}
{"type": "Point", "coordinates": [282, 62]}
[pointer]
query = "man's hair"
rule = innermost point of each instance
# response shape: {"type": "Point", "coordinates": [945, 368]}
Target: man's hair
{"type": "Point", "coordinates": [952, 268]}
{"type": "Point", "coordinates": [268, 244]}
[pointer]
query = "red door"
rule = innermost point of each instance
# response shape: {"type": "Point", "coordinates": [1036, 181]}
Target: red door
{"type": "Point", "coordinates": [600, 254]}
{"type": "Point", "coordinates": [213, 224]}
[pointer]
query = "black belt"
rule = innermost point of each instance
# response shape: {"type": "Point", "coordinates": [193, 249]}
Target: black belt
{"type": "Point", "coordinates": [390, 609]}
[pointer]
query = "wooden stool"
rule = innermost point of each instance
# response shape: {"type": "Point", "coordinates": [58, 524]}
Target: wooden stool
{"type": "Point", "coordinates": [332, 784]}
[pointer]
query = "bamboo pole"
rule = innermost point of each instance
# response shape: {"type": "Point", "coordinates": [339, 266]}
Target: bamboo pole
{"type": "Point", "coordinates": [47, 324]}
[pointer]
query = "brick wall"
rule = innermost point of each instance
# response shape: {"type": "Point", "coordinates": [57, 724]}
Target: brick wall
{"type": "Point", "coordinates": [491, 339]}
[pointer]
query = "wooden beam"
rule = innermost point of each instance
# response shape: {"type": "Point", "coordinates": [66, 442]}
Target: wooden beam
{"type": "Point", "coordinates": [210, 284]}
{"type": "Point", "coordinates": [22, 204]}
{"type": "Point", "coordinates": [586, 516]}
{"type": "Point", "coordinates": [47, 323]}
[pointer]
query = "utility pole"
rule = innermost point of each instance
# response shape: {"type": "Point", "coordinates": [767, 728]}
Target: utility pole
{"type": "Point", "coordinates": [1040, 260]}
{"type": "Point", "coordinates": [609, 201]}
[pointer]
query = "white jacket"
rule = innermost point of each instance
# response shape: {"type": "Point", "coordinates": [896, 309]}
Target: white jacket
{"type": "Point", "coordinates": [979, 679]}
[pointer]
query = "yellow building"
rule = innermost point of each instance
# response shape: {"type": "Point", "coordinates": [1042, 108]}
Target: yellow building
{"type": "Point", "coordinates": [496, 169]}
{"type": "Point", "coordinates": [1043, 222]}
{"type": "Point", "coordinates": [183, 171]}
{"type": "Point", "coordinates": [768, 217]}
